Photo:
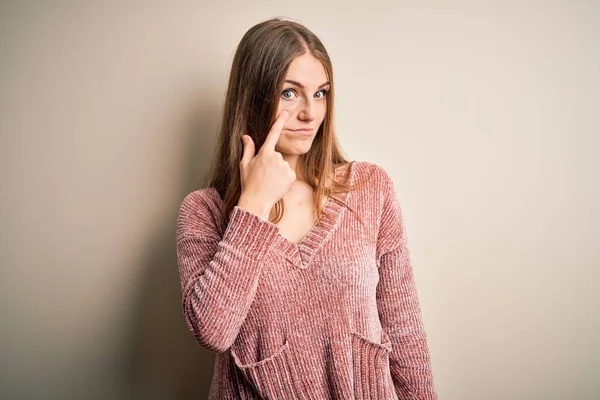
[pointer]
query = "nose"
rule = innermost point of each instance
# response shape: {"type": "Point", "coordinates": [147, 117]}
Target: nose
{"type": "Point", "coordinates": [307, 110]}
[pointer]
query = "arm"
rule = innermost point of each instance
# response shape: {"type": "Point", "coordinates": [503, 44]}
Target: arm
{"type": "Point", "coordinates": [398, 304]}
{"type": "Point", "coordinates": [219, 276]}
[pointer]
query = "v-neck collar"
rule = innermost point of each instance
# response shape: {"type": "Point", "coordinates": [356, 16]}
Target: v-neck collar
{"type": "Point", "coordinates": [301, 254]}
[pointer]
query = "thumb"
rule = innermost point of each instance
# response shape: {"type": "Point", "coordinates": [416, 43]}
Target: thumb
{"type": "Point", "coordinates": [249, 150]}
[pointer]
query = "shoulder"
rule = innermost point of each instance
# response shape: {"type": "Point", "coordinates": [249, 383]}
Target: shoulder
{"type": "Point", "coordinates": [199, 211]}
{"type": "Point", "coordinates": [372, 174]}
{"type": "Point", "coordinates": [199, 199]}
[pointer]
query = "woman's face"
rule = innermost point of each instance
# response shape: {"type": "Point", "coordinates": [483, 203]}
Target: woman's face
{"type": "Point", "coordinates": [304, 97]}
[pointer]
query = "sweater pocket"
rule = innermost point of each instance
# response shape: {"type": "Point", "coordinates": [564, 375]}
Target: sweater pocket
{"type": "Point", "coordinates": [273, 377]}
{"type": "Point", "coordinates": [371, 367]}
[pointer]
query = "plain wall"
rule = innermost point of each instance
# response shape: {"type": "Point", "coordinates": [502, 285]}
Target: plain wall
{"type": "Point", "coordinates": [486, 114]}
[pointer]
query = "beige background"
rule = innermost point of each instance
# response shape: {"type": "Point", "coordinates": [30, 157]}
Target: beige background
{"type": "Point", "coordinates": [485, 114]}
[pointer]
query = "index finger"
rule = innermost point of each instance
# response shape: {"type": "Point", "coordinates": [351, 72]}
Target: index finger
{"type": "Point", "coordinates": [275, 131]}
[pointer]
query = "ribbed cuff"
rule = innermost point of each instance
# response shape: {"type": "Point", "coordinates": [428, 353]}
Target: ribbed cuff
{"type": "Point", "coordinates": [249, 233]}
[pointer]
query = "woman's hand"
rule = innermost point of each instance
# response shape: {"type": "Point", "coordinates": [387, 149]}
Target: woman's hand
{"type": "Point", "coordinates": [266, 177]}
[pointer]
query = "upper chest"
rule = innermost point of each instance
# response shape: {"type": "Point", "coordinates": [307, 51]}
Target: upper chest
{"type": "Point", "coordinates": [299, 216]}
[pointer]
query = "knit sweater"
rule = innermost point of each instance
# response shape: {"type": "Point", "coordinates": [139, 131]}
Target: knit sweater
{"type": "Point", "coordinates": [336, 316]}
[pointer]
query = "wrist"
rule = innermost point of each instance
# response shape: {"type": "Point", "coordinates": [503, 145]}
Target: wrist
{"type": "Point", "coordinates": [255, 207]}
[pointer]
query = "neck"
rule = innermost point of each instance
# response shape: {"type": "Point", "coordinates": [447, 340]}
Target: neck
{"type": "Point", "coordinates": [292, 159]}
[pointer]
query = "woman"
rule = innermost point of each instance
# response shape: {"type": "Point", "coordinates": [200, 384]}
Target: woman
{"type": "Point", "coordinates": [293, 261]}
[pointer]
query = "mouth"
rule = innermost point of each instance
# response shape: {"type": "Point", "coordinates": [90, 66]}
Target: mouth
{"type": "Point", "coordinates": [301, 132]}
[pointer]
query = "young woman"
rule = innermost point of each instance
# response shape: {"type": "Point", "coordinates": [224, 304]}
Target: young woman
{"type": "Point", "coordinates": [293, 261]}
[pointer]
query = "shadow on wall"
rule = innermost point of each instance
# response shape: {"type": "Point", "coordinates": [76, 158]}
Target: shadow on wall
{"type": "Point", "coordinates": [164, 361]}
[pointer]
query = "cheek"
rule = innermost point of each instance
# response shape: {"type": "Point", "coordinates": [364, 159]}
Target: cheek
{"type": "Point", "coordinates": [287, 105]}
{"type": "Point", "coordinates": [322, 112]}
{"type": "Point", "coordinates": [324, 109]}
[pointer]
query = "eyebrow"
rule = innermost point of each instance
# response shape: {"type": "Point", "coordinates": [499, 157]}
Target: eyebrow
{"type": "Point", "coordinates": [301, 85]}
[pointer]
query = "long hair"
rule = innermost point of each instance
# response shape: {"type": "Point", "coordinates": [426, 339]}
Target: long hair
{"type": "Point", "coordinates": [256, 79]}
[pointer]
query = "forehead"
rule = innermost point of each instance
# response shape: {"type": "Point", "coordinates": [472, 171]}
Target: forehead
{"type": "Point", "coordinates": [307, 70]}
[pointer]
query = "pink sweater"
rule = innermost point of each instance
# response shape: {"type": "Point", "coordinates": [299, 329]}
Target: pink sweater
{"type": "Point", "coordinates": [336, 316]}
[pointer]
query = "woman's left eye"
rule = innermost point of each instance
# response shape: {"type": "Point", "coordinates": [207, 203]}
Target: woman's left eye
{"type": "Point", "coordinates": [324, 92]}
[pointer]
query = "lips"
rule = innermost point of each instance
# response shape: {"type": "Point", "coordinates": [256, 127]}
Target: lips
{"type": "Point", "coordinates": [305, 132]}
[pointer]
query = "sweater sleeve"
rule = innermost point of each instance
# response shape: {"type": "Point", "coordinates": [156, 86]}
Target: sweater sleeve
{"type": "Point", "coordinates": [398, 304]}
{"type": "Point", "coordinates": [219, 275]}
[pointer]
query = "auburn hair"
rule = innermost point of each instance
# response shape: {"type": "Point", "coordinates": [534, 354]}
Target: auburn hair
{"type": "Point", "coordinates": [256, 79]}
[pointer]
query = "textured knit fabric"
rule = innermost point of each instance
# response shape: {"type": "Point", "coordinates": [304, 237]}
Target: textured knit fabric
{"type": "Point", "coordinates": [336, 316]}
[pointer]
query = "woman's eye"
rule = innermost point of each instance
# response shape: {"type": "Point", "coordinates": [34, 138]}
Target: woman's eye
{"type": "Point", "coordinates": [324, 92]}
{"type": "Point", "coordinates": [286, 92]}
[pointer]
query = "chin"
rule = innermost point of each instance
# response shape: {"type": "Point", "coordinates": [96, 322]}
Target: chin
{"type": "Point", "coordinates": [300, 146]}
{"type": "Point", "coordinates": [295, 150]}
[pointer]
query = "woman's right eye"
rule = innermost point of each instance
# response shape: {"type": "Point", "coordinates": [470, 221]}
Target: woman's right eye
{"type": "Point", "coordinates": [286, 92]}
